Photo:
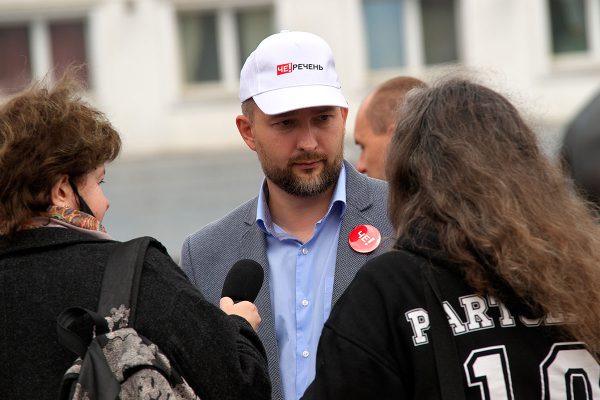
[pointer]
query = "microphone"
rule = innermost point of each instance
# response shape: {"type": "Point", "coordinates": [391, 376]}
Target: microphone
{"type": "Point", "coordinates": [243, 281]}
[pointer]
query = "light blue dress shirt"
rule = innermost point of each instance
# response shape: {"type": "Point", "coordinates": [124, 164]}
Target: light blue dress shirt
{"type": "Point", "coordinates": [301, 282]}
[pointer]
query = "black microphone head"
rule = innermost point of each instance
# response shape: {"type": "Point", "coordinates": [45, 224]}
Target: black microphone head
{"type": "Point", "coordinates": [243, 281]}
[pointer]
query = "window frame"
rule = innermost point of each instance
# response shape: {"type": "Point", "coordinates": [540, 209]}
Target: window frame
{"type": "Point", "coordinates": [577, 60]}
{"type": "Point", "coordinates": [27, 28]}
{"type": "Point", "coordinates": [227, 43]}
{"type": "Point", "coordinates": [40, 42]}
{"type": "Point", "coordinates": [414, 44]}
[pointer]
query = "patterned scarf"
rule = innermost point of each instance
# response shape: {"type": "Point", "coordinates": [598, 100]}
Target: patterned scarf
{"type": "Point", "coordinates": [70, 218]}
{"type": "Point", "coordinates": [75, 217]}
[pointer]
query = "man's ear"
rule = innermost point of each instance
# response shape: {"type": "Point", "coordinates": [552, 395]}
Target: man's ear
{"type": "Point", "coordinates": [61, 193]}
{"type": "Point", "coordinates": [244, 126]}
{"type": "Point", "coordinates": [390, 129]}
{"type": "Point", "coordinates": [344, 114]}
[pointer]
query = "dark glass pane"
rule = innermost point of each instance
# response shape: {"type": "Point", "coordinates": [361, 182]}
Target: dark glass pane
{"type": "Point", "coordinates": [200, 53]}
{"type": "Point", "coordinates": [15, 63]}
{"type": "Point", "coordinates": [68, 44]}
{"type": "Point", "coordinates": [439, 31]}
{"type": "Point", "coordinates": [567, 18]}
{"type": "Point", "coordinates": [385, 33]}
{"type": "Point", "coordinates": [253, 26]}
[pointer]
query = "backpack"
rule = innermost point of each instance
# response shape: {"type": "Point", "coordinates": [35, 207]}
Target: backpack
{"type": "Point", "coordinates": [116, 362]}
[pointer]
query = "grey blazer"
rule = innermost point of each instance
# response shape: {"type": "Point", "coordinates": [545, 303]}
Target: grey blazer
{"type": "Point", "coordinates": [208, 254]}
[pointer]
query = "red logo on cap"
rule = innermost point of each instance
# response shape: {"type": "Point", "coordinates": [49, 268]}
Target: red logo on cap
{"type": "Point", "coordinates": [291, 67]}
{"type": "Point", "coordinates": [364, 238]}
{"type": "Point", "coordinates": [284, 68]}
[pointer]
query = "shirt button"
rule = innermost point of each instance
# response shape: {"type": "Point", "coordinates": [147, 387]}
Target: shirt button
{"type": "Point", "coordinates": [304, 250]}
{"type": "Point", "coordinates": [304, 302]}
{"type": "Point", "coordinates": [305, 354]}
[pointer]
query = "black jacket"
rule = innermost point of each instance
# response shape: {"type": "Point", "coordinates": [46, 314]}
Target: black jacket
{"type": "Point", "coordinates": [45, 270]}
{"type": "Point", "coordinates": [377, 345]}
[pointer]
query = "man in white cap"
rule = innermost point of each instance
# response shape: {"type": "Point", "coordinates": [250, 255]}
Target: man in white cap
{"type": "Point", "coordinates": [315, 220]}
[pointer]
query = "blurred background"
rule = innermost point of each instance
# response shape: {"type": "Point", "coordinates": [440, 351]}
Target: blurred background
{"type": "Point", "coordinates": [166, 74]}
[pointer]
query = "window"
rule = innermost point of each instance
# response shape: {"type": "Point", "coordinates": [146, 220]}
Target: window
{"type": "Point", "coordinates": [199, 46]}
{"type": "Point", "coordinates": [215, 43]}
{"type": "Point", "coordinates": [15, 68]}
{"type": "Point", "coordinates": [252, 27]}
{"type": "Point", "coordinates": [385, 36]}
{"type": "Point", "coordinates": [574, 33]}
{"type": "Point", "coordinates": [439, 31]}
{"type": "Point", "coordinates": [413, 33]}
{"type": "Point", "coordinates": [67, 40]}
{"type": "Point", "coordinates": [567, 18]}
{"type": "Point", "coordinates": [33, 49]}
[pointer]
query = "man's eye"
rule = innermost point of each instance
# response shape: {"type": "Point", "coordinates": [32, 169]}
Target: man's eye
{"type": "Point", "coordinates": [284, 123]}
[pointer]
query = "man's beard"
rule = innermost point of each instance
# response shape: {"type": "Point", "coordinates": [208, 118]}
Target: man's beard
{"type": "Point", "coordinates": [304, 186]}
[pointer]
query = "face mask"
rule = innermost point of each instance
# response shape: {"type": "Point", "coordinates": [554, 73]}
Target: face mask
{"type": "Point", "coordinates": [82, 204]}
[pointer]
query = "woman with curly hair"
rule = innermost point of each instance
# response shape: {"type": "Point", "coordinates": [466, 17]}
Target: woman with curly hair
{"type": "Point", "coordinates": [54, 248]}
{"type": "Point", "coordinates": [488, 225]}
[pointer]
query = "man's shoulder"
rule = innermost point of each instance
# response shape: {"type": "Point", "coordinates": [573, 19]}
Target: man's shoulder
{"type": "Point", "coordinates": [210, 250]}
{"type": "Point", "coordinates": [377, 185]}
{"type": "Point", "coordinates": [228, 223]}
{"type": "Point", "coordinates": [362, 190]}
{"type": "Point", "coordinates": [356, 179]}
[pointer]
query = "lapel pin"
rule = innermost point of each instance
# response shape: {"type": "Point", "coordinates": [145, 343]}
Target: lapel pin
{"type": "Point", "coordinates": [364, 239]}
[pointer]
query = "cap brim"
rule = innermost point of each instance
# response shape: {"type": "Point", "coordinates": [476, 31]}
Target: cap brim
{"type": "Point", "coordinates": [297, 97]}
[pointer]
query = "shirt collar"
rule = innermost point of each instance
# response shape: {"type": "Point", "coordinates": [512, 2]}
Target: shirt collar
{"type": "Point", "coordinates": [338, 202]}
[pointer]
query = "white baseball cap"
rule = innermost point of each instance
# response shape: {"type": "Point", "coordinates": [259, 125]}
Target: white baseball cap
{"type": "Point", "coordinates": [289, 71]}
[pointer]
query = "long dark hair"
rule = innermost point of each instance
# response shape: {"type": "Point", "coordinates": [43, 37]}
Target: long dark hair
{"type": "Point", "coordinates": [464, 160]}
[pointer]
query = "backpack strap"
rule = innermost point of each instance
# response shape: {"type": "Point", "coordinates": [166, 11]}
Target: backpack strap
{"type": "Point", "coordinates": [73, 340]}
{"type": "Point", "coordinates": [121, 280]}
{"type": "Point", "coordinates": [450, 379]}
{"type": "Point", "coordinates": [120, 286]}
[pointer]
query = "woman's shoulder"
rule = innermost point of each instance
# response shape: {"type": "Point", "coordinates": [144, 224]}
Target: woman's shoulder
{"type": "Point", "coordinates": [393, 256]}
{"type": "Point", "coordinates": [390, 276]}
{"type": "Point", "coordinates": [159, 264]}
{"type": "Point", "coordinates": [392, 263]}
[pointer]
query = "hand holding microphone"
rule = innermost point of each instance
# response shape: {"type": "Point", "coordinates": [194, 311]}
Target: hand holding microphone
{"type": "Point", "coordinates": [242, 284]}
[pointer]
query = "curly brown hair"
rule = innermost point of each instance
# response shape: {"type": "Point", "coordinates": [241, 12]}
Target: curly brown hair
{"type": "Point", "coordinates": [47, 131]}
{"type": "Point", "coordinates": [464, 160]}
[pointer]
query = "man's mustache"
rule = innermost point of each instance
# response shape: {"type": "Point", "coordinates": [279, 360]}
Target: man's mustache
{"type": "Point", "coordinates": [307, 158]}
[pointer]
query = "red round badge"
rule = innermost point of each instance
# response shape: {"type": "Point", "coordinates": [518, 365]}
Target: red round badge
{"type": "Point", "coordinates": [364, 238]}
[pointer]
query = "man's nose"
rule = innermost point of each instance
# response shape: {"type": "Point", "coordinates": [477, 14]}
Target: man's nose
{"type": "Point", "coordinates": [308, 139]}
{"type": "Point", "coordinates": [361, 164]}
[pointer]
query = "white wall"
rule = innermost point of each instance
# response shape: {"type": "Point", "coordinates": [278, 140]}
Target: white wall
{"type": "Point", "coordinates": [136, 77]}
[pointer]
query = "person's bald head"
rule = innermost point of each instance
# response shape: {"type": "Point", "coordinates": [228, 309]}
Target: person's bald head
{"type": "Point", "coordinates": [375, 122]}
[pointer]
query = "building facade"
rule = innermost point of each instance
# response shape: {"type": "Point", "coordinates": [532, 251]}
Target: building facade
{"type": "Point", "coordinates": [166, 71]}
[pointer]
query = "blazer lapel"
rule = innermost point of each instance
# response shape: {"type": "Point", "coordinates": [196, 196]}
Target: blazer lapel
{"type": "Point", "coordinates": [253, 245]}
{"type": "Point", "coordinates": [358, 200]}
{"type": "Point", "coordinates": [348, 261]}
